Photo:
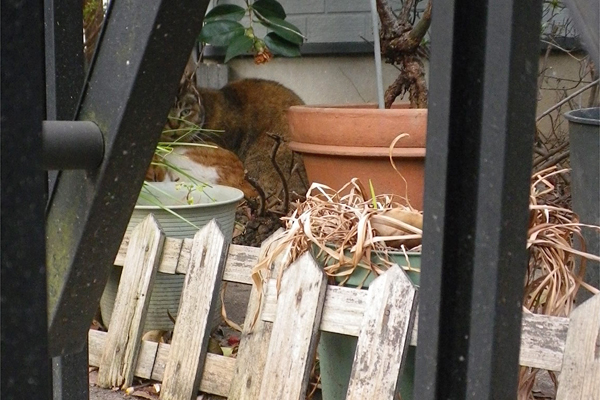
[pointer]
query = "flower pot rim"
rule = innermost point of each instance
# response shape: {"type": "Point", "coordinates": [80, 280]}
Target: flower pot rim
{"type": "Point", "coordinates": [367, 108]}
{"type": "Point", "coordinates": [584, 116]}
{"type": "Point", "coordinates": [236, 195]}
{"type": "Point", "coordinates": [356, 151]}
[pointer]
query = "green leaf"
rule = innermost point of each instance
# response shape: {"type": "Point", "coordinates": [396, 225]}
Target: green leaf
{"type": "Point", "coordinates": [269, 8]}
{"type": "Point", "coordinates": [281, 46]}
{"type": "Point", "coordinates": [229, 12]}
{"type": "Point", "coordinates": [284, 30]}
{"type": "Point", "coordinates": [221, 32]}
{"type": "Point", "coordinates": [238, 46]}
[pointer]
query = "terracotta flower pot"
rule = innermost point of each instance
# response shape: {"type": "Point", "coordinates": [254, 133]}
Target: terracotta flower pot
{"type": "Point", "coordinates": [339, 143]}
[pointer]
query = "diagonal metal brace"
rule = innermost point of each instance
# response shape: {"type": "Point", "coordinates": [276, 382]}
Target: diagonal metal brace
{"type": "Point", "coordinates": [141, 58]}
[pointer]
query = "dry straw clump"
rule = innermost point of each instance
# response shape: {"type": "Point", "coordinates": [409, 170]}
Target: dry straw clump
{"type": "Point", "coordinates": [343, 228]}
{"type": "Point", "coordinates": [552, 278]}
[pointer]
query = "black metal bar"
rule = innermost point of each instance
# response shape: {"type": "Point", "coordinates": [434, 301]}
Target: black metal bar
{"type": "Point", "coordinates": [70, 378]}
{"type": "Point", "coordinates": [480, 130]}
{"type": "Point", "coordinates": [64, 57]}
{"type": "Point", "coordinates": [64, 61]}
{"type": "Point", "coordinates": [71, 145]}
{"type": "Point", "coordinates": [64, 80]}
{"type": "Point", "coordinates": [140, 60]}
{"type": "Point", "coordinates": [24, 345]}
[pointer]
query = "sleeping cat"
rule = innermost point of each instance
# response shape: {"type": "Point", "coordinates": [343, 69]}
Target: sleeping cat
{"type": "Point", "coordinates": [211, 165]}
{"type": "Point", "coordinates": [248, 111]}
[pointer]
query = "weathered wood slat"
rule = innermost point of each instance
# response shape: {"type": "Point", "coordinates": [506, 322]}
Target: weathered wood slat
{"type": "Point", "coordinates": [254, 344]}
{"type": "Point", "coordinates": [342, 312]}
{"type": "Point", "coordinates": [131, 304]}
{"type": "Point", "coordinates": [190, 335]}
{"type": "Point", "coordinates": [543, 341]}
{"type": "Point", "coordinates": [240, 261]}
{"type": "Point", "coordinates": [344, 308]}
{"type": "Point", "coordinates": [294, 337]}
{"type": "Point", "coordinates": [176, 257]}
{"type": "Point", "coordinates": [580, 374]}
{"type": "Point", "coordinates": [152, 359]}
{"type": "Point", "coordinates": [185, 256]}
{"type": "Point", "coordinates": [384, 335]}
{"type": "Point", "coordinates": [169, 259]}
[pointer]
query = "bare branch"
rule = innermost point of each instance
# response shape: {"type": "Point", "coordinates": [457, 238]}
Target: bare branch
{"type": "Point", "coordinates": [286, 191]}
{"type": "Point", "coordinates": [407, 6]}
{"type": "Point", "coordinates": [420, 30]}
{"type": "Point", "coordinates": [261, 194]}
{"type": "Point", "coordinates": [397, 88]}
{"type": "Point", "coordinates": [389, 23]}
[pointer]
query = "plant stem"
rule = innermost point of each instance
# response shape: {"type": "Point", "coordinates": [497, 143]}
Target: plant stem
{"type": "Point", "coordinates": [377, 54]}
{"type": "Point", "coordinates": [566, 99]}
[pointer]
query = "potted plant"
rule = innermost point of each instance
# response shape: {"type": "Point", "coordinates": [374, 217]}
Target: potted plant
{"type": "Point", "coordinates": [181, 209]}
{"type": "Point", "coordinates": [355, 141]}
{"type": "Point", "coordinates": [355, 235]}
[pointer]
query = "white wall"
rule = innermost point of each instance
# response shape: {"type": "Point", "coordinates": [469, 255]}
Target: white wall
{"type": "Point", "coordinates": [331, 80]}
{"type": "Point", "coordinates": [351, 79]}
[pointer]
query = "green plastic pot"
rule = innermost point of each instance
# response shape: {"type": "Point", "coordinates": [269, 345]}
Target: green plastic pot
{"type": "Point", "coordinates": [336, 351]}
{"type": "Point", "coordinates": [215, 202]}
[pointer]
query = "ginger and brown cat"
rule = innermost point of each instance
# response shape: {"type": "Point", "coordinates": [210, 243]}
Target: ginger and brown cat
{"type": "Point", "coordinates": [251, 113]}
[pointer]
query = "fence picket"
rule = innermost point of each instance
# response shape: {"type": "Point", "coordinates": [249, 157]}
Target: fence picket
{"type": "Point", "coordinates": [294, 337]}
{"type": "Point", "coordinates": [190, 335]}
{"type": "Point", "coordinates": [384, 337]}
{"type": "Point", "coordinates": [122, 345]}
{"type": "Point", "coordinates": [580, 374]}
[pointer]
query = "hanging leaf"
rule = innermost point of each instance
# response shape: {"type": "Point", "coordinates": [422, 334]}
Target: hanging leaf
{"type": "Point", "coordinates": [269, 8]}
{"type": "Point", "coordinates": [281, 46]}
{"type": "Point", "coordinates": [221, 32]}
{"type": "Point", "coordinates": [238, 46]}
{"type": "Point", "coordinates": [229, 12]}
{"type": "Point", "coordinates": [284, 29]}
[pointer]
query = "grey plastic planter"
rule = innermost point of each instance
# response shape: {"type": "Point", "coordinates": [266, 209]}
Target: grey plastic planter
{"type": "Point", "coordinates": [218, 202]}
{"type": "Point", "coordinates": [584, 137]}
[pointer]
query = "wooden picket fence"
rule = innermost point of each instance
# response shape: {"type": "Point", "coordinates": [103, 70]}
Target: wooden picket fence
{"type": "Point", "coordinates": [282, 343]}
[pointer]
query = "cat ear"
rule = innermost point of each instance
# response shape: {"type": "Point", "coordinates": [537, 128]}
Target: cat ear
{"type": "Point", "coordinates": [189, 73]}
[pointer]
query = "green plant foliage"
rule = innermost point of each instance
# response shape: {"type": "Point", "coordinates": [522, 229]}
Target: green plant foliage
{"type": "Point", "coordinates": [269, 9]}
{"type": "Point", "coordinates": [229, 12]}
{"type": "Point", "coordinates": [240, 45]}
{"type": "Point", "coordinates": [284, 29]}
{"type": "Point", "coordinates": [281, 46]}
{"type": "Point", "coordinates": [226, 26]}
{"type": "Point", "coordinates": [221, 32]}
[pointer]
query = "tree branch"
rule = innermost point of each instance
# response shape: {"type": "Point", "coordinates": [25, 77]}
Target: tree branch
{"type": "Point", "coordinates": [420, 30]}
{"type": "Point", "coordinates": [389, 23]}
{"type": "Point", "coordinates": [407, 6]}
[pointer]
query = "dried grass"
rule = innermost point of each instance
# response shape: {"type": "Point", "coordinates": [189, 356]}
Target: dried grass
{"type": "Point", "coordinates": [341, 226]}
{"type": "Point", "coordinates": [345, 227]}
{"type": "Point", "coordinates": [552, 278]}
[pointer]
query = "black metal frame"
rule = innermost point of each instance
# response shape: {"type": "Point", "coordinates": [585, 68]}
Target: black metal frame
{"type": "Point", "coordinates": [139, 62]}
{"type": "Point", "coordinates": [64, 79]}
{"type": "Point", "coordinates": [480, 134]}
{"type": "Point", "coordinates": [24, 344]}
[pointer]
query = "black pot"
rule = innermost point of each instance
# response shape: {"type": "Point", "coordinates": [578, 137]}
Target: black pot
{"type": "Point", "coordinates": [584, 137]}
